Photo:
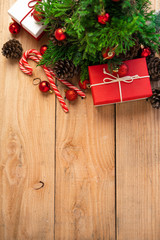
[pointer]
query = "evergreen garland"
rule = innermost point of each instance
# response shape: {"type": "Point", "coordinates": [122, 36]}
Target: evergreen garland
{"type": "Point", "coordinates": [86, 38]}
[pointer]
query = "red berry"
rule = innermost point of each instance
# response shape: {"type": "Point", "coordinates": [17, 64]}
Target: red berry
{"type": "Point", "coordinates": [14, 28]}
{"type": "Point", "coordinates": [107, 53]}
{"type": "Point", "coordinates": [103, 18]}
{"type": "Point", "coordinates": [43, 49]}
{"type": "Point", "coordinates": [123, 70]}
{"type": "Point", "coordinates": [60, 34]}
{"type": "Point", "coordinates": [146, 52]}
{"type": "Point", "coordinates": [37, 15]}
{"type": "Point", "coordinates": [44, 86]}
{"type": "Point", "coordinates": [83, 85]}
{"type": "Point", "coordinates": [71, 95]}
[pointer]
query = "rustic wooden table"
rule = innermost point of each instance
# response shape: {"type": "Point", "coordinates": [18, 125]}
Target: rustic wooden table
{"type": "Point", "coordinates": [100, 166]}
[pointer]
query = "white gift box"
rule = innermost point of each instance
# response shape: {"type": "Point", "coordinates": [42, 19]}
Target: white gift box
{"type": "Point", "coordinates": [22, 14]}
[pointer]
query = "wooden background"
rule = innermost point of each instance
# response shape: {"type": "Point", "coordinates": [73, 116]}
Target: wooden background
{"type": "Point", "coordinates": [100, 166]}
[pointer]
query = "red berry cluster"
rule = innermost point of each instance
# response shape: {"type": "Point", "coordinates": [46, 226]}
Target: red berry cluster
{"type": "Point", "coordinates": [104, 18]}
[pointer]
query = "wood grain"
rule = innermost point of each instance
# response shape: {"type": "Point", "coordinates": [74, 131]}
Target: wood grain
{"type": "Point", "coordinates": [46, 154]}
{"type": "Point", "coordinates": [138, 170]}
{"type": "Point", "coordinates": [85, 172]}
{"type": "Point", "coordinates": [27, 130]}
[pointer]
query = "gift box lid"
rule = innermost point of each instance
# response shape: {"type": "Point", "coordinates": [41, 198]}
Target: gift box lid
{"type": "Point", "coordinates": [22, 14]}
{"type": "Point", "coordinates": [139, 88]}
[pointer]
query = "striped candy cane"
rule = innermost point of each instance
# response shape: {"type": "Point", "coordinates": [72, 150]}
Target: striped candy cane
{"type": "Point", "coordinates": [24, 60]}
{"type": "Point", "coordinates": [38, 57]}
{"type": "Point", "coordinates": [69, 85]}
{"type": "Point", "coordinates": [26, 68]}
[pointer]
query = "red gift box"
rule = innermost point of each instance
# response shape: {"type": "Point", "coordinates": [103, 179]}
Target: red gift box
{"type": "Point", "coordinates": [107, 89]}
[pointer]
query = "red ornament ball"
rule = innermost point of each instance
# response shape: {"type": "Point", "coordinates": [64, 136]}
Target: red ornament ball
{"type": "Point", "coordinates": [71, 95]}
{"type": "Point", "coordinates": [123, 70]}
{"type": "Point", "coordinates": [44, 86]}
{"type": "Point", "coordinates": [60, 34]}
{"type": "Point", "coordinates": [102, 19]}
{"type": "Point", "coordinates": [83, 85]}
{"type": "Point", "coordinates": [37, 15]}
{"type": "Point", "coordinates": [14, 28]}
{"type": "Point", "coordinates": [145, 52]}
{"type": "Point", "coordinates": [43, 49]}
{"type": "Point", "coordinates": [116, 0]}
{"type": "Point", "coordinates": [107, 53]}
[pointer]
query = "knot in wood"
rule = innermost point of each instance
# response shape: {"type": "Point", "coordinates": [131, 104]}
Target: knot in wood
{"type": "Point", "coordinates": [38, 185]}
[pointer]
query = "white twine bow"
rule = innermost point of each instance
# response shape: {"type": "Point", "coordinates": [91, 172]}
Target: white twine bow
{"type": "Point", "coordinates": [126, 79]}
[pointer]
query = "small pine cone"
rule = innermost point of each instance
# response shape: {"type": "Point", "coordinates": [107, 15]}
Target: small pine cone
{"type": "Point", "coordinates": [132, 53]}
{"type": "Point", "coordinates": [155, 98]}
{"type": "Point", "coordinates": [153, 52]}
{"type": "Point", "coordinates": [154, 68]}
{"type": "Point", "coordinates": [133, 2]}
{"type": "Point", "coordinates": [12, 49]}
{"type": "Point", "coordinates": [56, 42]}
{"type": "Point", "coordinates": [65, 69]}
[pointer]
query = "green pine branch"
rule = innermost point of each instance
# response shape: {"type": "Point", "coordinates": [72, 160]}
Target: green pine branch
{"type": "Point", "coordinates": [86, 38]}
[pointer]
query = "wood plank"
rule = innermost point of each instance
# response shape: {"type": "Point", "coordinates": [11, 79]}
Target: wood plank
{"type": "Point", "coordinates": [156, 4]}
{"type": "Point", "coordinates": [138, 169]}
{"type": "Point", "coordinates": [27, 130]}
{"type": "Point", "coordinates": [85, 172]}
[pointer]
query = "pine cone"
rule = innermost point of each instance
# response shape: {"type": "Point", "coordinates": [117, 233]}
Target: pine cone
{"type": "Point", "coordinates": [55, 41]}
{"type": "Point", "coordinates": [133, 2]}
{"type": "Point", "coordinates": [153, 52]}
{"type": "Point", "coordinates": [154, 68]}
{"type": "Point", "coordinates": [12, 49]}
{"type": "Point", "coordinates": [132, 53]}
{"type": "Point", "coordinates": [155, 98]}
{"type": "Point", "coordinates": [65, 69]}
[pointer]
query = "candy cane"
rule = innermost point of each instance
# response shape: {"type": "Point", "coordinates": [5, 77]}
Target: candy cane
{"type": "Point", "coordinates": [24, 66]}
{"type": "Point", "coordinates": [69, 85]}
{"type": "Point", "coordinates": [27, 54]}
